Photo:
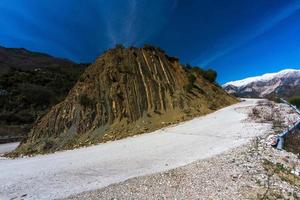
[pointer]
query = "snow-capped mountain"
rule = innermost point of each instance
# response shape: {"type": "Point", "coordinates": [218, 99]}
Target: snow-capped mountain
{"type": "Point", "coordinates": [285, 83]}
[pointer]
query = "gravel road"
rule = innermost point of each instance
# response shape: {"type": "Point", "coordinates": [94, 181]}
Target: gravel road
{"type": "Point", "coordinates": [67, 173]}
{"type": "Point", "coordinates": [251, 171]}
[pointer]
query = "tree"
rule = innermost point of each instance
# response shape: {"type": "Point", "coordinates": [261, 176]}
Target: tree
{"type": "Point", "coordinates": [120, 46]}
{"type": "Point", "coordinates": [210, 75]}
{"type": "Point", "coordinates": [188, 66]}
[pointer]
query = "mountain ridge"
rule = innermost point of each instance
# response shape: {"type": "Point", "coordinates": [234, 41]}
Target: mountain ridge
{"type": "Point", "coordinates": [264, 77]}
{"type": "Point", "coordinates": [26, 60]}
{"type": "Point", "coordinates": [284, 83]}
{"type": "Point", "coordinates": [30, 83]}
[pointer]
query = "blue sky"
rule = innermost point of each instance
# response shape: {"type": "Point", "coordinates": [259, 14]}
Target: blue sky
{"type": "Point", "coordinates": [237, 38]}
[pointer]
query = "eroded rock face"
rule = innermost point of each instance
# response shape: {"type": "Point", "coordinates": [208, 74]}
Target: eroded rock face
{"type": "Point", "coordinates": [123, 93]}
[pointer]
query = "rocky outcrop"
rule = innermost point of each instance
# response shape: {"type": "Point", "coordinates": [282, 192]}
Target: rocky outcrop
{"type": "Point", "coordinates": [123, 93]}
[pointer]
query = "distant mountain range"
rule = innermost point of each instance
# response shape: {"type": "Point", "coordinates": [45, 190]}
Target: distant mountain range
{"type": "Point", "coordinates": [22, 59]}
{"type": "Point", "coordinates": [285, 83]}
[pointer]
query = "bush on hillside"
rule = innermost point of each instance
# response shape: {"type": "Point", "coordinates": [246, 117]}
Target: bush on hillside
{"type": "Point", "coordinates": [36, 94]}
{"type": "Point", "coordinates": [149, 46]}
{"type": "Point", "coordinates": [295, 100]}
{"type": "Point", "coordinates": [191, 81]}
{"type": "Point", "coordinates": [120, 46]}
{"type": "Point", "coordinates": [153, 48]}
{"type": "Point", "coordinates": [210, 75]}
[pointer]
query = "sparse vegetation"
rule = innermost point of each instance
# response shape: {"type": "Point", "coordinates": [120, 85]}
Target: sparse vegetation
{"type": "Point", "coordinates": [151, 47]}
{"type": "Point", "coordinates": [292, 142]}
{"type": "Point", "coordinates": [209, 74]}
{"type": "Point", "coordinates": [120, 46]}
{"type": "Point", "coordinates": [31, 93]}
{"type": "Point", "coordinates": [36, 94]}
{"type": "Point", "coordinates": [282, 172]}
{"type": "Point", "coordinates": [295, 100]}
{"type": "Point", "coordinates": [191, 81]}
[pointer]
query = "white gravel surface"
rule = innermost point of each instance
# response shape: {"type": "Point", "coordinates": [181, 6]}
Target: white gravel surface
{"type": "Point", "coordinates": [8, 147]}
{"type": "Point", "coordinates": [70, 172]}
{"type": "Point", "coordinates": [251, 171]}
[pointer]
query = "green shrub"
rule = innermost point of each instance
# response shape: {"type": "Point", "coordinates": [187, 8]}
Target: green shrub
{"type": "Point", "coordinates": [120, 46]}
{"type": "Point", "coordinates": [192, 78]}
{"type": "Point", "coordinates": [149, 46]}
{"type": "Point", "coordinates": [191, 81]}
{"type": "Point", "coordinates": [45, 144]}
{"type": "Point", "coordinates": [188, 66]}
{"type": "Point", "coordinates": [295, 100]}
{"type": "Point", "coordinates": [210, 75]}
{"type": "Point", "coordinates": [36, 94]}
{"type": "Point", "coordinates": [153, 48]}
{"type": "Point", "coordinates": [16, 118]}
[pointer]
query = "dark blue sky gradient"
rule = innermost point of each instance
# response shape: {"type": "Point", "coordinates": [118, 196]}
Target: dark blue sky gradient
{"type": "Point", "coordinates": [237, 38]}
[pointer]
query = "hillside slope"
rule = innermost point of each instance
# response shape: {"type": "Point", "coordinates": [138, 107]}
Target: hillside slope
{"type": "Point", "coordinates": [285, 83]}
{"type": "Point", "coordinates": [30, 84]}
{"type": "Point", "coordinates": [124, 93]}
{"type": "Point", "coordinates": [22, 59]}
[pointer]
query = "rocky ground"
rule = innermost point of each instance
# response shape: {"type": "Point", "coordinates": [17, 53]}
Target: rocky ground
{"type": "Point", "coordinates": [253, 171]}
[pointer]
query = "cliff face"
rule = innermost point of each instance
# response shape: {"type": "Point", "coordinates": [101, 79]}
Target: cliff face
{"type": "Point", "coordinates": [125, 92]}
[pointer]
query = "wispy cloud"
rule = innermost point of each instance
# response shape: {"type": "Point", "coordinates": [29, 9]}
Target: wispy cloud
{"type": "Point", "coordinates": [131, 22]}
{"type": "Point", "coordinates": [258, 30]}
{"type": "Point", "coordinates": [33, 34]}
{"type": "Point", "coordinates": [120, 25]}
{"type": "Point", "coordinates": [129, 25]}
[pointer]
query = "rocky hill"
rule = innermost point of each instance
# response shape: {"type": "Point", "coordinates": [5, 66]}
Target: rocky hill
{"type": "Point", "coordinates": [31, 83]}
{"type": "Point", "coordinates": [123, 93]}
{"type": "Point", "coordinates": [285, 83]}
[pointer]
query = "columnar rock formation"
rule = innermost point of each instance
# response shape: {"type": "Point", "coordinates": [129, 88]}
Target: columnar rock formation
{"type": "Point", "coordinates": [123, 93]}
